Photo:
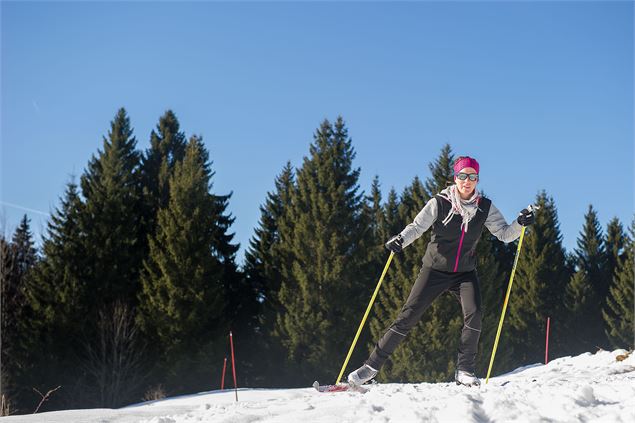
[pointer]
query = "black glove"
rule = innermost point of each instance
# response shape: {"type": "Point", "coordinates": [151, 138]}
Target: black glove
{"type": "Point", "coordinates": [526, 217]}
{"type": "Point", "coordinates": [395, 244]}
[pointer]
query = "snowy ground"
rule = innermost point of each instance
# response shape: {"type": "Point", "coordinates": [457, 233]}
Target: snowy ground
{"type": "Point", "coordinates": [589, 387]}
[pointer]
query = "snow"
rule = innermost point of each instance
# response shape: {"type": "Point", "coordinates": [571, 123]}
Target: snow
{"type": "Point", "coordinates": [589, 387]}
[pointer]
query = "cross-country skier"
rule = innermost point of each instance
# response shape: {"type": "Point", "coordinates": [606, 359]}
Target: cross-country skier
{"type": "Point", "coordinates": [457, 216]}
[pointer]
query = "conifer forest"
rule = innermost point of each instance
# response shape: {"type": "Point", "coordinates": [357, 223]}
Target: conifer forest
{"type": "Point", "coordinates": [133, 290]}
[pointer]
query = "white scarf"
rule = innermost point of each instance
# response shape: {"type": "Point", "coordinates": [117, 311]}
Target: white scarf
{"type": "Point", "coordinates": [465, 208]}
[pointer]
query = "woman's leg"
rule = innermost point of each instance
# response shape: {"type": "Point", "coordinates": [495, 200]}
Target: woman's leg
{"type": "Point", "coordinates": [470, 298]}
{"type": "Point", "coordinates": [428, 286]}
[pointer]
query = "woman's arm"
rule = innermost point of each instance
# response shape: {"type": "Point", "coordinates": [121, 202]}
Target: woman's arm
{"type": "Point", "coordinates": [498, 226]}
{"type": "Point", "coordinates": [426, 217]}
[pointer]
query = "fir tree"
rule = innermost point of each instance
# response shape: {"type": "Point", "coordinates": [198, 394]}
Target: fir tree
{"type": "Point", "coordinates": [23, 256]}
{"type": "Point", "coordinates": [264, 262]}
{"type": "Point", "coordinates": [57, 305]}
{"type": "Point", "coordinates": [588, 288]}
{"type": "Point", "coordinates": [393, 221]}
{"type": "Point", "coordinates": [241, 298]}
{"type": "Point", "coordinates": [112, 217]}
{"type": "Point", "coordinates": [581, 303]}
{"type": "Point", "coordinates": [114, 245]}
{"type": "Point", "coordinates": [167, 147]}
{"type": "Point", "coordinates": [619, 309]}
{"type": "Point", "coordinates": [57, 292]}
{"type": "Point", "coordinates": [185, 279]}
{"type": "Point", "coordinates": [591, 254]}
{"type": "Point", "coordinates": [441, 171]}
{"type": "Point", "coordinates": [538, 292]}
{"type": "Point", "coordinates": [377, 228]}
{"type": "Point", "coordinates": [24, 248]}
{"type": "Point", "coordinates": [6, 266]}
{"type": "Point", "coordinates": [320, 233]}
{"type": "Point", "coordinates": [614, 243]}
{"type": "Point", "coordinates": [18, 259]}
{"type": "Point", "coordinates": [183, 289]}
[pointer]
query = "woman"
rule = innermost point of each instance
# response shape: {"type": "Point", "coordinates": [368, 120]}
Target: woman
{"type": "Point", "coordinates": [457, 216]}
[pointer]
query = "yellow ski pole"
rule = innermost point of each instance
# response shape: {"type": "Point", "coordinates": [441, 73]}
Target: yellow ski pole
{"type": "Point", "coordinates": [370, 305]}
{"type": "Point", "coordinates": [509, 289]}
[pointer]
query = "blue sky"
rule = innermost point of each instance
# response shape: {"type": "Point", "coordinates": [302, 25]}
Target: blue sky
{"type": "Point", "coordinates": [541, 93]}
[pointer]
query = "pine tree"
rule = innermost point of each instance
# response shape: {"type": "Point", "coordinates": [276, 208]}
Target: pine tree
{"type": "Point", "coordinates": [18, 259]}
{"type": "Point", "coordinates": [6, 266]}
{"type": "Point", "coordinates": [112, 217]}
{"type": "Point", "coordinates": [24, 248]}
{"type": "Point", "coordinates": [182, 280]}
{"type": "Point", "coordinates": [183, 300]}
{"type": "Point", "coordinates": [619, 309]}
{"type": "Point", "coordinates": [377, 227]}
{"type": "Point", "coordinates": [581, 303]}
{"type": "Point", "coordinates": [320, 234]}
{"type": "Point", "coordinates": [57, 305]}
{"type": "Point", "coordinates": [167, 147]}
{"type": "Point", "coordinates": [614, 243]}
{"type": "Point", "coordinates": [114, 244]}
{"type": "Point", "coordinates": [241, 298]}
{"type": "Point", "coordinates": [538, 290]}
{"type": "Point", "coordinates": [441, 171]}
{"type": "Point", "coordinates": [264, 262]}
{"type": "Point", "coordinates": [394, 222]}
{"type": "Point", "coordinates": [591, 254]}
{"type": "Point", "coordinates": [23, 257]}
{"type": "Point", "coordinates": [57, 291]}
{"type": "Point", "coordinates": [587, 289]}
{"type": "Point", "coordinates": [379, 230]}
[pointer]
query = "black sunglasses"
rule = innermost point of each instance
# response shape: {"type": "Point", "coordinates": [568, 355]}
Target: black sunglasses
{"type": "Point", "coordinates": [463, 176]}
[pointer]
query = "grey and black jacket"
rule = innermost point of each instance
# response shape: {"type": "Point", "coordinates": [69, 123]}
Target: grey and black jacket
{"type": "Point", "coordinates": [451, 249]}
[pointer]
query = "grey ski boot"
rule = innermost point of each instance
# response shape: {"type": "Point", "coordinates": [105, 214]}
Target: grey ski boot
{"type": "Point", "coordinates": [362, 375]}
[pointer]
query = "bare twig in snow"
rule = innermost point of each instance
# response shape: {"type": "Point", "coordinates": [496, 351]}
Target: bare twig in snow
{"type": "Point", "coordinates": [44, 397]}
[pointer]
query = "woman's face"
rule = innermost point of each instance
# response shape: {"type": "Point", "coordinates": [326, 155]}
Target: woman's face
{"type": "Point", "coordinates": [466, 187]}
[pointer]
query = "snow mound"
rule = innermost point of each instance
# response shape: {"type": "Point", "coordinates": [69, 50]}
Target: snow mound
{"type": "Point", "coordinates": [589, 387]}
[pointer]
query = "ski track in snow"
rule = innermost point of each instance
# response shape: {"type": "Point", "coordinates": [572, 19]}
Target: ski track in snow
{"type": "Point", "coordinates": [586, 388]}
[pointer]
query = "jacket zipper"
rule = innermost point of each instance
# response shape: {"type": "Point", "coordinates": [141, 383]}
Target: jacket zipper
{"type": "Point", "coordinates": [458, 252]}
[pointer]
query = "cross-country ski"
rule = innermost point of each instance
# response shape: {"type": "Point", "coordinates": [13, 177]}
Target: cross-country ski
{"type": "Point", "coordinates": [342, 387]}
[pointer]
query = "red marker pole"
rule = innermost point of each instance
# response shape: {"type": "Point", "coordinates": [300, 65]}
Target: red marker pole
{"type": "Point", "coordinates": [547, 342]}
{"type": "Point", "coordinates": [222, 380]}
{"type": "Point", "coordinates": [231, 342]}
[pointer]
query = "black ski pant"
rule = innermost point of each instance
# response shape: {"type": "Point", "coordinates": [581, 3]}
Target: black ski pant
{"type": "Point", "coordinates": [428, 286]}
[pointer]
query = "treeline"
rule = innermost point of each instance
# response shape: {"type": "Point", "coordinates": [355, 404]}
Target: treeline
{"type": "Point", "coordinates": [136, 285]}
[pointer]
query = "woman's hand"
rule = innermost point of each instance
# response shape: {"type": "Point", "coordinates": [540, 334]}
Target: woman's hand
{"type": "Point", "coordinates": [526, 217]}
{"type": "Point", "coordinates": [395, 244]}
